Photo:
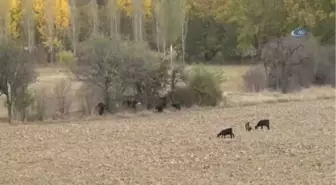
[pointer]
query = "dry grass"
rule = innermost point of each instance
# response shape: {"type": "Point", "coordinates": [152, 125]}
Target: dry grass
{"type": "Point", "coordinates": [160, 149]}
{"type": "Point", "coordinates": [312, 93]}
{"type": "Point", "coordinates": [232, 75]}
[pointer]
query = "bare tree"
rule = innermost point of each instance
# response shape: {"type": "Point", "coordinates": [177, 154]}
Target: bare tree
{"type": "Point", "coordinates": [95, 19]}
{"type": "Point", "coordinates": [74, 32]}
{"type": "Point", "coordinates": [4, 20]}
{"type": "Point", "coordinates": [138, 16]}
{"type": "Point", "coordinates": [29, 24]}
{"type": "Point", "coordinates": [62, 91]}
{"type": "Point", "coordinates": [156, 9]}
{"type": "Point", "coordinates": [113, 14]}
{"type": "Point", "coordinates": [16, 73]}
{"type": "Point", "coordinates": [287, 58]}
{"type": "Point", "coordinates": [184, 27]}
{"type": "Point", "coordinates": [50, 31]}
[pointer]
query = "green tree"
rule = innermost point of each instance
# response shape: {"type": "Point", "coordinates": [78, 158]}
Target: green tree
{"type": "Point", "coordinates": [257, 21]}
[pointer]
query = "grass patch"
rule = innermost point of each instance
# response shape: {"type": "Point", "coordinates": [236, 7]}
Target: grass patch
{"type": "Point", "coordinates": [232, 74]}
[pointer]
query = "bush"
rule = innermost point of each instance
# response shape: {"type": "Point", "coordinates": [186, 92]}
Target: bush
{"type": "Point", "coordinates": [205, 84]}
{"type": "Point", "coordinates": [255, 79]}
{"type": "Point", "coordinates": [62, 94]}
{"type": "Point", "coordinates": [89, 98]}
{"type": "Point", "coordinates": [183, 95]}
{"type": "Point", "coordinates": [40, 105]}
{"type": "Point", "coordinates": [23, 101]}
{"type": "Point", "coordinates": [66, 58]}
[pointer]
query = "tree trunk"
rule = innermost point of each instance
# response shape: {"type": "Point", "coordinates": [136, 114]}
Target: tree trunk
{"type": "Point", "coordinates": [94, 16]}
{"type": "Point", "coordinates": [157, 35]}
{"type": "Point", "coordinates": [164, 48]}
{"type": "Point", "coordinates": [73, 27]}
{"type": "Point", "coordinates": [183, 37]}
{"type": "Point", "coordinates": [140, 26]}
{"type": "Point", "coordinates": [30, 36]}
{"type": "Point", "coordinates": [107, 95]}
{"type": "Point", "coordinates": [9, 103]}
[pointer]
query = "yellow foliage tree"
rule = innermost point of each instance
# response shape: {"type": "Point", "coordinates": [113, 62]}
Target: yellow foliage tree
{"type": "Point", "coordinates": [62, 14]}
{"type": "Point", "coordinates": [148, 8]}
{"type": "Point", "coordinates": [15, 18]}
{"type": "Point", "coordinates": [40, 19]}
{"type": "Point", "coordinates": [128, 8]}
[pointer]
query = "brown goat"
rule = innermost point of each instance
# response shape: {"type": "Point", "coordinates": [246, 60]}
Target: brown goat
{"type": "Point", "coordinates": [247, 126]}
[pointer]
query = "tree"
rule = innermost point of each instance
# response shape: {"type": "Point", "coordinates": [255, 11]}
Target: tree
{"type": "Point", "coordinates": [289, 61]}
{"type": "Point", "coordinates": [51, 42]}
{"type": "Point", "coordinates": [138, 20]}
{"type": "Point", "coordinates": [94, 16]}
{"type": "Point", "coordinates": [29, 23]}
{"type": "Point", "coordinates": [184, 27]}
{"type": "Point", "coordinates": [62, 18]}
{"type": "Point", "coordinates": [113, 12]}
{"type": "Point", "coordinates": [116, 67]}
{"type": "Point", "coordinates": [74, 26]}
{"type": "Point", "coordinates": [16, 73]}
{"type": "Point", "coordinates": [40, 19]}
{"type": "Point", "coordinates": [5, 20]}
{"type": "Point", "coordinates": [16, 17]}
{"type": "Point", "coordinates": [257, 21]}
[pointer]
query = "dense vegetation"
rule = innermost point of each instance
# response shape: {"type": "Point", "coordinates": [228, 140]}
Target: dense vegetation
{"type": "Point", "coordinates": [139, 48]}
{"type": "Point", "coordinates": [226, 28]}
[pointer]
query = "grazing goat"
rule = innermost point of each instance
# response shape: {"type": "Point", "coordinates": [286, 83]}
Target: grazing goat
{"type": "Point", "coordinates": [159, 108]}
{"type": "Point", "coordinates": [262, 123]}
{"type": "Point", "coordinates": [176, 106]}
{"type": "Point", "coordinates": [225, 132]}
{"type": "Point", "coordinates": [101, 108]}
{"type": "Point", "coordinates": [162, 104]}
{"type": "Point", "coordinates": [247, 126]}
{"type": "Point", "coordinates": [131, 103]}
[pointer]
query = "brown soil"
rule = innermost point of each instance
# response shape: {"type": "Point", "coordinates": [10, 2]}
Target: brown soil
{"type": "Point", "coordinates": [177, 148]}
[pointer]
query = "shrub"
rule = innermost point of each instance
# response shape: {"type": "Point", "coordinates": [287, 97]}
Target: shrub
{"type": "Point", "coordinates": [205, 84]}
{"type": "Point", "coordinates": [66, 58]}
{"type": "Point", "coordinates": [183, 95]}
{"type": "Point", "coordinates": [62, 94]}
{"type": "Point", "coordinates": [89, 97]}
{"type": "Point", "coordinates": [40, 105]}
{"type": "Point", "coordinates": [23, 101]}
{"type": "Point", "coordinates": [255, 79]}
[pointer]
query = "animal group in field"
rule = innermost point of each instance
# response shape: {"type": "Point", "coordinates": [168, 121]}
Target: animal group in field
{"type": "Point", "coordinates": [261, 124]}
{"type": "Point", "coordinates": [162, 104]}
{"type": "Point", "coordinates": [132, 103]}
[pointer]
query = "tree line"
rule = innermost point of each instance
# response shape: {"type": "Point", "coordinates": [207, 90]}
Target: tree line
{"type": "Point", "coordinates": [199, 30]}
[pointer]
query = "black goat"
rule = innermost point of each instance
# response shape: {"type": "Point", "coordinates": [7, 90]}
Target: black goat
{"type": "Point", "coordinates": [262, 123]}
{"type": "Point", "coordinates": [226, 132]}
{"type": "Point", "coordinates": [101, 108]}
{"type": "Point", "coordinates": [176, 106]}
{"type": "Point", "coordinates": [162, 104]}
{"type": "Point", "coordinates": [160, 107]}
{"type": "Point", "coordinates": [130, 103]}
